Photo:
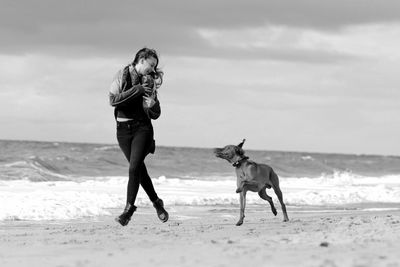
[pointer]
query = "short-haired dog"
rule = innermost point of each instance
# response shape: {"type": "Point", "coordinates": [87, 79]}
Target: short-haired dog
{"type": "Point", "coordinates": [251, 176]}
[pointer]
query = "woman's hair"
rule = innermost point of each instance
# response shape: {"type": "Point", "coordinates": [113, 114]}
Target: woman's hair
{"type": "Point", "coordinates": [147, 53]}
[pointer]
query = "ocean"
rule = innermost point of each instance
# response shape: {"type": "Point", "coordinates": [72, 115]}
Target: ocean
{"type": "Point", "coordinates": [66, 181]}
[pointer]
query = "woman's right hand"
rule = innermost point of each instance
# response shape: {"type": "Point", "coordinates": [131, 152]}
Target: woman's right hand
{"type": "Point", "coordinates": [148, 91]}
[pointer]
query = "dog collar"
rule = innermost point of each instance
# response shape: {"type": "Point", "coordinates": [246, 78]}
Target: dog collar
{"type": "Point", "coordinates": [239, 162]}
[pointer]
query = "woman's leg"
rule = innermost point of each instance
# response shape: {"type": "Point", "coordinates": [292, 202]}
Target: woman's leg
{"type": "Point", "coordinates": [125, 137]}
{"type": "Point", "coordinates": [134, 139]}
{"type": "Point", "coordinates": [139, 148]}
{"type": "Point", "coordinates": [145, 180]}
{"type": "Point", "coordinates": [147, 184]}
{"type": "Point", "coordinates": [135, 146]}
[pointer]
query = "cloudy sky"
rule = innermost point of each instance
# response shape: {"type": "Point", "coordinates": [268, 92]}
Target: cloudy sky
{"type": "Point", "coordinates": [304, 75]}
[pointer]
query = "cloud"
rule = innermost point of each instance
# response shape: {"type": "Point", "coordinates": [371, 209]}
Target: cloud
{"type": "Point", "coordinates": [301, 44]}
{"type": "Point", "coordinates": [42, 87]}
{"type": "Point", "coordinates": [291, 75]}
{"type": "Point", "coordinates": [93, 28]}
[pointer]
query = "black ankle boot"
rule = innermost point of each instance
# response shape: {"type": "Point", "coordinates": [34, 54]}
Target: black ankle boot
{"type": "Point", "coordinates": [126, 215]}
{"type": "Point", "coordinates": [161, 212]}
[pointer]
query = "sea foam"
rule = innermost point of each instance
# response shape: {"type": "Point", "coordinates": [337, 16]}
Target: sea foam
{"type": "Point", "coordinates": [95, 196]}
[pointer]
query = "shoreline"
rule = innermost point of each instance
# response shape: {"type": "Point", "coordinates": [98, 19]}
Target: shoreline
{"type": "Point", "coordinates": [207, 236]}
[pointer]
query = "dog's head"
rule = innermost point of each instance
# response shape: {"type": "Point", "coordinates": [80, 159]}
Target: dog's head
{"type": "Point", "coordinates": [231, 153]}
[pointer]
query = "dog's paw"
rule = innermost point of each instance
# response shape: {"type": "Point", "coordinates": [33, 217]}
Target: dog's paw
{"type": "Point", "coordinates": [240, 222]}
{"type": "Point", "coordinates": [239, 190]}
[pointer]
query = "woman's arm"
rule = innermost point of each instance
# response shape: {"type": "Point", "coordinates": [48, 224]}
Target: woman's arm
{"type": "Point", "coordinates": [154, 111]}
{"type": "Point", "coordinates": [117, 96]}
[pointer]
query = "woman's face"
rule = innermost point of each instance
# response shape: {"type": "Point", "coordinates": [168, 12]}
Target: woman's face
{"type": "Point", "coordinates": [146, 65]}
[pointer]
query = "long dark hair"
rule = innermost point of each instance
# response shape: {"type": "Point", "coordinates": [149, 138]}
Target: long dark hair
{"type": "Point", "coordinates": [146, 53]}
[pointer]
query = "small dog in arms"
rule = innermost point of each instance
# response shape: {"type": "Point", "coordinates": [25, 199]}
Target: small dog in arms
{"type": "Point", "coordinates": [251, 176]}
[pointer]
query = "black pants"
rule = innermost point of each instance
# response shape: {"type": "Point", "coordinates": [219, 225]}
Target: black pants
{"type": "Point", "coordinates": [135, 139]}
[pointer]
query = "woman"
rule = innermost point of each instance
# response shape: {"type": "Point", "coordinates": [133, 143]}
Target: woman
{"type": "Point", "coordinates": [136, 103]}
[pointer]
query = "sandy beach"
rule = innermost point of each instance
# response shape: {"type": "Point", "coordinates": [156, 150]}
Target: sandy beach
{"type": "Point", "coordinates": [207, 236]}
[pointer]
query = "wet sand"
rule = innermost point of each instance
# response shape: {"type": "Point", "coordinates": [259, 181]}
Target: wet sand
{"type": "Point", "coordinates": [207, 236]}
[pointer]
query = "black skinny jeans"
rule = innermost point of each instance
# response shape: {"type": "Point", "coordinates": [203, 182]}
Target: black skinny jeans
{"type": "Point", "coordinates": [134, 139]}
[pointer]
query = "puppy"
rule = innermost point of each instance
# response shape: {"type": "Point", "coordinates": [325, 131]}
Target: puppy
{"type": "Point", "coordinates": [251, 176]}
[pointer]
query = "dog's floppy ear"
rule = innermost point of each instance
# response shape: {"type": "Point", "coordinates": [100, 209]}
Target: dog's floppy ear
{"type": "Point", "coordinates": [241, 144]}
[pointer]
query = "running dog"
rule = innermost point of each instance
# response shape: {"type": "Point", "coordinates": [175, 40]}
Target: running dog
{"type": "Point", "coordinates": [251, 176]}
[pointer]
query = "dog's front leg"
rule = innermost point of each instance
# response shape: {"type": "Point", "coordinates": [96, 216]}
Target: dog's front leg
{"type": "Point", "coordinates": [242, 207]}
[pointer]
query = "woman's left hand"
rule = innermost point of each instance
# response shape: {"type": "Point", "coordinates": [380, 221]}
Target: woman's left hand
{"type": "Point", "coordinates": [149, 101]}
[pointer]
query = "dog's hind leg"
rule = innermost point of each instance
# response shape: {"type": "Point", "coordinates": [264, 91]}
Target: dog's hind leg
{"type": "Point", "coordinates": [275, 185]}
{"type": "Point", "coordinates": [263, 195]}
{"type": "Point", "coordinates": [242, 207]}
